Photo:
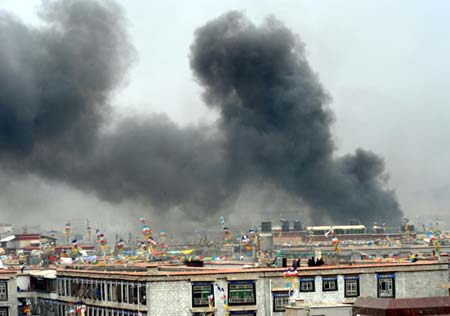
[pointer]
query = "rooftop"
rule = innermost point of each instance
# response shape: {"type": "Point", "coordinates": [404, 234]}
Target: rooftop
{"type": "Point", "coordinates": [167, 269]}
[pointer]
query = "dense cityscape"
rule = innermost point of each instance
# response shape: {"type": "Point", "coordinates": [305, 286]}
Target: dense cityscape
{"type": "Point", "coordinates": [286, 269]}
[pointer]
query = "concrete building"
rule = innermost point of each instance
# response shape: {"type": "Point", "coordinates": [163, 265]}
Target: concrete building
{"type": "Point", "coordinates": [215, 289]}
{"type": "Point", "coordinates": [174, 290]}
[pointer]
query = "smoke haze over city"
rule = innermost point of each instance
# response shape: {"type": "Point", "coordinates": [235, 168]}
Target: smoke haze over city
{"type": "Point", "coordinates": [268, 127]}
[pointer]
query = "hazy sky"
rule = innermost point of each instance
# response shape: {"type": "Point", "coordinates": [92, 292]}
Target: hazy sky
{"type": "Point", "coordinates": [385, 64]}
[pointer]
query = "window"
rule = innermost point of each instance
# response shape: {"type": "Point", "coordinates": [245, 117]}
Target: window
{"type": "Point", "coordinates": [200, 294]}
{"type": "Point", "coordinates": [203, 314]}
{"type": "Point", "coordinates": [75, 288]}
{"type": "Point", "coordinates": [351, 285]}
{"type": "Point", "coordinates": [3, 291]}
{"type": "Point", "coordinates": [241, 293]}
{"type": "Point", "coordinates": [118, 292]}
{"type": "Point", "coordinates": [280, 300]}
{"type": "Point", "coordinates": [142, 294]}
{"type": "Point", "coordinates": [243, 313]}
{"type": "Point", "coordinates": [307, 284]}
{"type": "Point", "coordinates": [108, 291]}
{"type": "Point", "coordinates": [60, 287]}
{"type": "Point", "coordinates": [386, 285]}
{"type": "Point", "coordinates": [133, 294]}
{"type": "Point", "coordinates": [3, 311]}
{"type": "Point", "coordinates": [329, 283]}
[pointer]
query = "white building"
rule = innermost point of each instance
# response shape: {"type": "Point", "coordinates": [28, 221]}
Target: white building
{"type": "Point", "coordinates": [182, 291]}
{"type": "Point", "coordinates": [177, 290]}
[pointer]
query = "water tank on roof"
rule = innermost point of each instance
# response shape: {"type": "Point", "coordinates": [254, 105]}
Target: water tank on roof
{"type": "Point", "coordinates": [285, 226]}
{"type": "Point", "coordinates": [298, 225]}
{"type": "Point", "coordinates": [266, 227]}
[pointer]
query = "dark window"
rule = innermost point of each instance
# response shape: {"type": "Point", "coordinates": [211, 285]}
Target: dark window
{"type": "Point", "coordinates": [243, 313]}
{"type": "Point", "coordinates": [97, 291]}
{"type": "Point", "coordinates": [133, 294]}
{"type": "Point", "coordinates": [119, 292]}
{"type": "Point", "coordinates": [201, 292]}
{"type": "Point", "coordinates": [329, 284]}
{"type": "Point", "coordinates": [307, 284]}
{"type": "Point", "coordinates": [3, 311]}
{"type": "Point", "coordinates": [241, 293]}
{"type": "Point", "coordinates": [386, 285]}
{"type": "Point", "coordinates": [351, 286]}
{"type": "Point", "coordinates": [108, 292]}
{"type": "Point", "coordinates": [75, 288]}
{"type": "Point", "coordinates": [280, 300]}
{"type": "Point", "coordinates": [142, 294]}
{"type": "Point", "coordinates": [3, 291]}
{"type": "Point", "coordinates": [60, 287]}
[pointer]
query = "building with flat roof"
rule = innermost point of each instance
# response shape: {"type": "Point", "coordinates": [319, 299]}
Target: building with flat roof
{"type": "Point", "coordinates": [217, 288]}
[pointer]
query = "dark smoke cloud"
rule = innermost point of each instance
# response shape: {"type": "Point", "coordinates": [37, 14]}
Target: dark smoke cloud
{"type": "Point", "coordinates": [277, 124]}
{"type": "Point", "coordinates": [56, 81]}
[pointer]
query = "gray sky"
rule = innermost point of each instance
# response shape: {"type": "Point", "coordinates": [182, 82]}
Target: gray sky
{"type": "Point", "coordinates": [384, 63]}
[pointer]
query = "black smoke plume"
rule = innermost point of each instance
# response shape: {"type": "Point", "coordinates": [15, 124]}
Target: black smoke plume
{"type": "Point", "coordinates": [274, 126]}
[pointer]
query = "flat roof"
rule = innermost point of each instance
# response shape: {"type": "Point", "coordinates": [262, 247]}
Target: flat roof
{"type": "Point", "coordinates": [329, 269]}
{"type": "Point", "coordinates": [7, 271]}
{"type": "Point", "coordinates": [46, 274]}
{"type": "Point", "coordinates": [335, 227]}
{"type": "Point", "coordinates": [8, 238]}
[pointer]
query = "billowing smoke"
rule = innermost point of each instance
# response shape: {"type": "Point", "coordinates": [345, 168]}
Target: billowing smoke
{"type": "Point", "coordinates": [274, 125]}
{"type": "Point", "coordinates": [276, 121]}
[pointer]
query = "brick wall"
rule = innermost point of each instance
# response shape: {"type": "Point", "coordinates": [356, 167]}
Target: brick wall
{"type": "Point", "coordinates": [170, 298]}
{"type": "Point", "coordinates": [368, 285]}
{"type": "Point", "coordinates": [420, 284]}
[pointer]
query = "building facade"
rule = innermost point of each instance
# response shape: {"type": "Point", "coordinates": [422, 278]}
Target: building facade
{"type": "Point", "coordinates": [177, 290]}
{"type": "Point", "coordinates": [8, 293]}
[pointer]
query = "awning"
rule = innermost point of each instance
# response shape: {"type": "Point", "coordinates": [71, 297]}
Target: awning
{"type": "Point", "coordinates": [9, 238]}
{"type": "Point", "coordinates": [46, 274]}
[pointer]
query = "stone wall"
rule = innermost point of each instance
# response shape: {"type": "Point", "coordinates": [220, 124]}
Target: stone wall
{"type": "Point", "coordinates": [170, 298]}
{"type": "Point", "coordinates": [420, 284]}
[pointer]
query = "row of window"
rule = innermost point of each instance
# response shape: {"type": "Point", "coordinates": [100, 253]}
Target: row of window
{"type": "Point", "coordinates": [3, 291]}
{"type": "Point", "coordinates": [243, 292]}
{"type": "Point", "coordinates": [385, 288]}
{"type": "Point", "coordinates": [385, 285]}
{"type": "Point", "coordinates": [330, 283]}
{"type": "Point", "coordinates": [103, 290]}
{"type": "Point", "coordinates": [58, 308]}
{"type": "Point", "coordinates": [239, 293]}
